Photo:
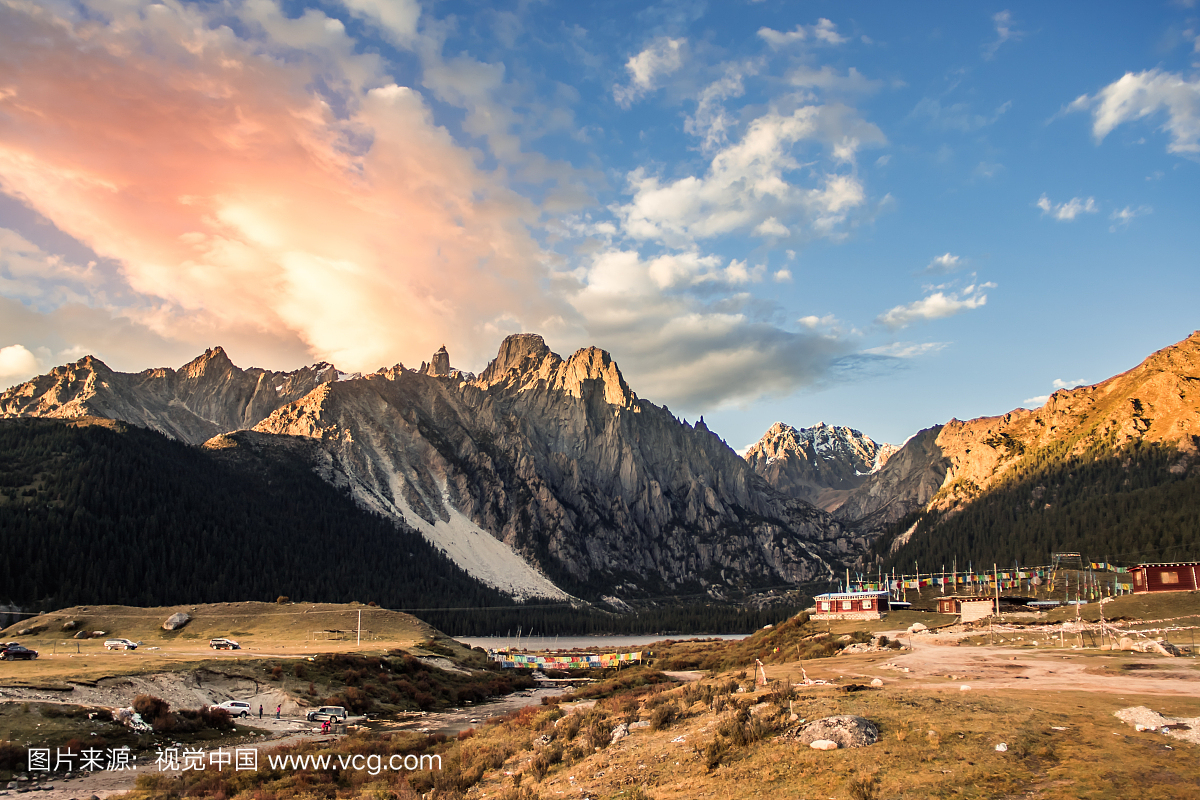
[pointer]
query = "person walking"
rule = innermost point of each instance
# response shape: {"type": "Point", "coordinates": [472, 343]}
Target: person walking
{"type": "Point", "coordinates": [260, 710]}
{"type": "Point", "coordinates": [277, 710]}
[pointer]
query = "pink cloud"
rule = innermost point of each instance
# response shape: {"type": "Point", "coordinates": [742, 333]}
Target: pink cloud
{"type": "Point", "coordinates": [222, 182]}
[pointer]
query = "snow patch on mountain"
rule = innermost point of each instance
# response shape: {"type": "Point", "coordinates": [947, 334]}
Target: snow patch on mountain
{"type": "Point", "coordinates": [484, 557]}
{"type": "Point", "coordinates": [477, 552]}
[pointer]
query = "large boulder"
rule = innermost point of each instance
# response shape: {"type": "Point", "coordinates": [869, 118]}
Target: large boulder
{"type": "Point", "coordinates": [845, 729]}
{"type": "Point", "coordinates": [176, 621]}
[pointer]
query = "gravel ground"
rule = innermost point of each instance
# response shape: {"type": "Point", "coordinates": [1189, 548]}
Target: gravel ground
{"type": "Point", "coordinates": [1184, 728]}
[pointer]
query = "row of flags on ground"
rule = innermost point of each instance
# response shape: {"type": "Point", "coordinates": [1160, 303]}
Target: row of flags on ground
{"type": "Point", "coordinates": [1010, 579]}
{"type": "Point", "coordinates": [529, 661]}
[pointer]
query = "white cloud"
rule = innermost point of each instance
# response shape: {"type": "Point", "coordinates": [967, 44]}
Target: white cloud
{"type": "Point", "coordinates": [938, 305]}
{"type": "Point", "coordinates": [663, 57]}
{"type": "Point", "coordinates": [958, 117]}
{"type": "Point", "coordinates": [17, 364]}
{"type": "Point", "coordinates": [907, 349]}
{"type": "Point", "coordinates": [1065, 212]}
{"type": "Point", "coordinates": [943, 264]}
{"type": "Point", "coordinates": [397, 19]}
{"type": "Point", "coordinates": [684, 348]}
{"type": "Point", "coordinates": [712, 121]}
{"type": "Point", "coordinates": [987, 169]}
{"type": "Point", "coordinates": [813, 322]}
{"type": "Point", "coordinates": [1124, 216]}
{"type": "Point", "coordinates": [1005, 31]}
{"type": "Point", "coordinates": [751, 181]}
{"type": "Point", "coordinates": [828, 79]}
{"type": "Point", "coordinates": [1035, 402]}
{"type": "Point", "coordinates": [824, 31]}
{"type": "Point", "coordinates": [1139, 95]}
{"type": "Point", "coordinates": [771, 227]}
{"type": "Point", "coordinates": [782, 276]}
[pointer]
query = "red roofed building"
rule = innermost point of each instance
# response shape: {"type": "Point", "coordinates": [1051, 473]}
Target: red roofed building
{"type": "Point", "coordinates": [1179, 577]}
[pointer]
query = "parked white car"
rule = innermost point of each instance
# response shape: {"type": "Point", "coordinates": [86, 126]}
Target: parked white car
{"type": "Point", "coordinates": [237, 708]}
{"type": "Point", "coordinates": [327, 713]}
{"type": "Point", "coordinates": [121, 644]}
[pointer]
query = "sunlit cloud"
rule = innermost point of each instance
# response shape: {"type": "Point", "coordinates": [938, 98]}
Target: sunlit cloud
{"type": "Point", "coordinates": [229, 188]}
{"type": "Point", "coordinates": [663, 57]}
{"type": "Point", "coordinates": [1145, 94]}
{"type": "Point", "coordinates": [938, 305]}
{"type": "Point", "coordinates": [943, 264]}
{"type": "Point", "coordinates": [1066, 212]}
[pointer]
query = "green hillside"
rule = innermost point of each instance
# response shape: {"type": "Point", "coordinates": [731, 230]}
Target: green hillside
{"type": "Point", "coordinates": [116, 514]}
{"type": "Point", "coordinates": [1138, 503]}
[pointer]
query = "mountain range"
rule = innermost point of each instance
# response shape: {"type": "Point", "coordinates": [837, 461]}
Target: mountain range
{"type": "Point", "coordinates": [542, 477]}
{"type": "Point", "coordinates": [549, 477]}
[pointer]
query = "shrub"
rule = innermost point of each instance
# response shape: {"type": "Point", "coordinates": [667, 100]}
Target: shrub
{"type": "Point", "coordinates": [664, 716]}
{"type": "Point", "coordinates": [12, 755]}
{"type": "Point", "coordinates": [218, 719]}
{"type": "Point", "coordinates": [713, 752]}
{"type": "Point", "coordinates": [599, 732]}
{"type": "Point", "coordinates": [864, 787]}
{"type": "Point", "coordinates": [546, 758]}
{"type": "Point", "coordinates": [150, 707]}
{"type": "Point", "coordinates": [569, 726]}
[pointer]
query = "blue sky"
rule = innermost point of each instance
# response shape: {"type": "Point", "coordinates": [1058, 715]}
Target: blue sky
{"type": "Point", "coordinates": [878, 215]}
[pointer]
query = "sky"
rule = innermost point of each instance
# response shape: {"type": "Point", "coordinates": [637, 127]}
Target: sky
{"type": "Point", "coordinates": [874, 215]}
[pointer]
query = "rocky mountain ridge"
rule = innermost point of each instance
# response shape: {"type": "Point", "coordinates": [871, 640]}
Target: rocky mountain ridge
{"type": "Point", "coordinates": [821, 464]}
{"type": "Point", "coordinates": [205, 397]}
{"type": "Point", "coordinates": [540, 473]}
{"type": "Point", "coordinates": [560, 459]}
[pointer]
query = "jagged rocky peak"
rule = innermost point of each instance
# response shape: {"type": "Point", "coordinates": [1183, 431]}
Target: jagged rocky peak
{"type": "Point", "coordinates": [440, 363]}
{"type": "Point", "coordinates": [524, 362]}
{"type": "Point", "coordinates": [822, 443]}
{"type": "Point", "coordinates": [439, 367]}
{"type": "Point", "coordinates": [206, 396]}
{"type": "Point", "coordinates": [519, 354]}
{"type": "Point", "coordinates": [818, 464]}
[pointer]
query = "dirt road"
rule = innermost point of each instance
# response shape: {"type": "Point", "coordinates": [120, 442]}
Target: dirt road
{"type": "Point", "coordinates": [938, 661]}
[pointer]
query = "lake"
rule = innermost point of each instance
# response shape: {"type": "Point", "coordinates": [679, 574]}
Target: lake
{"type": "Point", "coordinates": [605, 643]}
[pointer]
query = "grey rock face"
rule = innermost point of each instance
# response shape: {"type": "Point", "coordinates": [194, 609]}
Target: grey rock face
{"type": "Point", "coordinates": [176, 621]}
{"type": "Point", "coordinates": [821, 464]}
{"type": "Point", "coordinates": [606, 493]}
{"type": "Point", "coordinates": [205, 397]}
{"type": "Point", "coordinates": [847, 730]}
{"type": "Point", "coordinates": [562, 461]}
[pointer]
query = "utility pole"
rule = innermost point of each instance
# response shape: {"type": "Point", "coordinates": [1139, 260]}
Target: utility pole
{"type": "Point", "coordinates": [360, 627]}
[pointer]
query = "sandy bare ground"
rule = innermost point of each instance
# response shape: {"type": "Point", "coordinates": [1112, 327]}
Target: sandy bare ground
{"type": "Point", "coordinates": [937, 661]}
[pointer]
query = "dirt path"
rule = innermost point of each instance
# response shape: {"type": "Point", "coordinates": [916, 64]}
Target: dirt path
{"type": "Point", "coordinates": [937, 661]}
{"type": "Point", "coordinates": [453, 720]}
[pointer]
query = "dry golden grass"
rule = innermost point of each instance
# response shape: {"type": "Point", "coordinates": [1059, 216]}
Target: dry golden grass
{"type": "Point", "coordinates": [262, 629]}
